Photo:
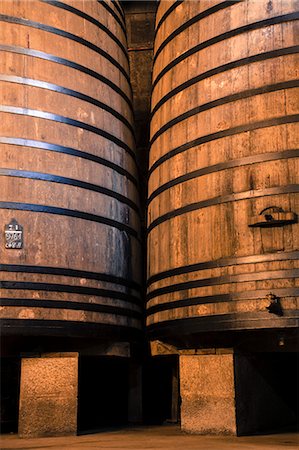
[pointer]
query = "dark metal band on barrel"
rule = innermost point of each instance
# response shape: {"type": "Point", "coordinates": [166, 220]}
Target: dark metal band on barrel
{"type": "Point", "coordinates": [194, 20]}
{"type": "Point", "coordinates": [117, 6]}
{"type": "Point", "coordinates": [225, 67]}
{"type": "Point", "coordinates": [223, 322]}
{"type": "Point", "coordinates": [68, 328]}
{"type": "Point", "coordinates": [64, 304]}
{"type": "Point", "coordinates": [67, 63]}
{"type": "Point", "coordinates": [224, 262]}
{"type": "Point", "coordinates": [41, 145]}
{"type": "Point", "coordinates": [62, 90]}
{"type": "Point", "coordinates": [245, 195]}
{"type": "Point", "coordinates": [166, 14]}
{"type": "Point", "coordinates": [69, 213]}
{"type": "Point", "coordinates": [83, 290]}
{"type": "Point", "coordinates": [222, 37]}
{"type": "Point", "coordinates": [75, 123]}
{"type": "Point", "coordinates": [247, 295]}
{"type": "Point", "coordinates": [225, 133]}
{"type": "Point", "coordinates": [90, 19]}
{"type": "Point", "coordinates": [114, 15]}
{"type": "Point", "coordinates": [73, 37]}
{"type": "Point", "coordinates": [240, 162]}
{"type": "Point", "coordinates": [66, 272]}
{"type": "Point", "coordinates": [69, 182]}
{"type": "Point", "coordinates": [225, 279]}
{"type": "Point", "coordinates": [223, 101]}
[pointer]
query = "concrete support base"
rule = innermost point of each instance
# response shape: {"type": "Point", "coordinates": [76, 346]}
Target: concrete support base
{"type": "Point", "coordinates": [48, 395]}
{"type": "Point", "coordinates": [208, 393]}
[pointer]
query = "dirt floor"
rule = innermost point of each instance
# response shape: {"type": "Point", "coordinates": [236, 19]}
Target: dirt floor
{"type": "Point", "coordinates": [155, 438]}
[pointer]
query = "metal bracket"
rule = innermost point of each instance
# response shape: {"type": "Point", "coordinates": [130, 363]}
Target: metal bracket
{"type": "Point", "coordinates": [273, 216]}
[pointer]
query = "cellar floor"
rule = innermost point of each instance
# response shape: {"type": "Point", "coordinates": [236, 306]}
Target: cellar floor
{"type": "Point", "coordinates": [154, 438]}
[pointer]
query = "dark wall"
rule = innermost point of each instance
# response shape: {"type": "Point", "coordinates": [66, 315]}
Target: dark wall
{"type": "Point", "coordinates": [102, 392]}
{"type": "Point", "coordinates": [158, 389]}
{"type": "Point", "coordinates": [266, 392]}
{"type": "Point", "coordinates": [140, 23]}
{"type": "Point", "coordinates": [10, 370]}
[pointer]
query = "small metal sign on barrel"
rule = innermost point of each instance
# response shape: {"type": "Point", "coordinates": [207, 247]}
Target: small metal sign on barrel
{"type": "Point", "coordinates": [13, 235]}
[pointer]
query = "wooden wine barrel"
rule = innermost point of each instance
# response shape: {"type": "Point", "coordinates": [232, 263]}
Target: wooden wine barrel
{"type": "Point", "coordinates": [68, 172]}
{"type": "Point", "coordinates": [223, 180]}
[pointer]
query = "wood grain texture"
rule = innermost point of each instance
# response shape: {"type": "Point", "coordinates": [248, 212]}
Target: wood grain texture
{"type": "Point", "coordinates": [68, 171]}
{"type": "Point", "coordinates": [224, 146]}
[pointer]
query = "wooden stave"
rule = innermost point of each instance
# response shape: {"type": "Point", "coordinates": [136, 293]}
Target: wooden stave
{"type": "Point", "coordinates": [215, 11]}
{"type": "Point", "coordinates": [109, 69]}
{"type": "Point", "coordinates": [114, 12]}
{"type": "Point", "coordinates": [68, 23]}
{"type": "Point", "coordinates": [112, 312]}
{"type": "Point", "coordinates": [163, 174]}
{"type": "Point", "coordinates": [200, 81]}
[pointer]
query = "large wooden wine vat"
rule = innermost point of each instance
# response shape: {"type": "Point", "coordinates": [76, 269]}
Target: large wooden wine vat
{"type": "Point", "coordinates": [68, 173]}
{"type": "Point", "coordinates": [223, 195]}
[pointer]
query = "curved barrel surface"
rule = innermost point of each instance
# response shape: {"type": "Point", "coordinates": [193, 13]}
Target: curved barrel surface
{"type": "Point", "coordinates": [223, 186]}
{"type": "Point", "coordinates": [68, 172]}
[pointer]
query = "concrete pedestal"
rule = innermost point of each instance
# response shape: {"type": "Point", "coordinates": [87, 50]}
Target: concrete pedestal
{"type": "Point", "coordinates": [48, 395]}
{"type": "Point", "coordinates": [208, 393]}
